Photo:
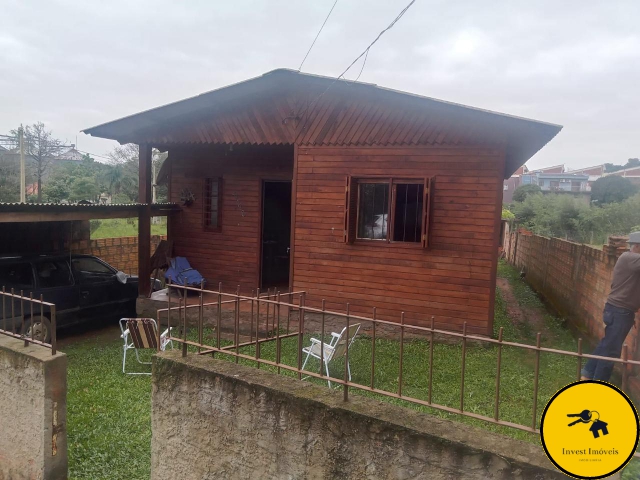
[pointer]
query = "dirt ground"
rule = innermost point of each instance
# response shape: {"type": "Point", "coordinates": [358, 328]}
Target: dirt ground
{"type": "Point", "coordinates": [533, 317]}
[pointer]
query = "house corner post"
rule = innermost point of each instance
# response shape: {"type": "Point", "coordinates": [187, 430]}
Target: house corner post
{"type": "Point", "coordinates": [144, 220]}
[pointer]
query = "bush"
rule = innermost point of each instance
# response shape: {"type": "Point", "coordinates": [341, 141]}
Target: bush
{"type": "Point", "coordinates": [523, 191]}
{"type": "Point", "coordinates": [565, 216]}
{"type": "Point", "coordinates": [612, 189]}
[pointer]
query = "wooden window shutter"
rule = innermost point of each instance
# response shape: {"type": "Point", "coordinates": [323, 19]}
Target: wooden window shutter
{"type": "Point", "coordinates": [427, 203]}
{"type": "Point", "coordinates": [350, 209]}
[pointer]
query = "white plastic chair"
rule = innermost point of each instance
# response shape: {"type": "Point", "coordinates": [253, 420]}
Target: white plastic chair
{"type": "Point", "coordinates": [140, 334]}
{"type": "Point", "coordinates": [336, 348]}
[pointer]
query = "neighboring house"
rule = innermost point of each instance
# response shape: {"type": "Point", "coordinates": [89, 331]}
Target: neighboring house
{"type": "Point", "coordinates": [564, 183]}
{"type": "Point", "coordinates": [554, 169]}
{"type": "Point", "coordinates": [632, 174]}
{"type": "Point", "coordinates": [10, 159]}
{"type": "Point", "coordinates": [348, 191]}
{"type": "Point", "coordinates": [511, 183]}
{"type": "Point", "coordinates": [594, 173]}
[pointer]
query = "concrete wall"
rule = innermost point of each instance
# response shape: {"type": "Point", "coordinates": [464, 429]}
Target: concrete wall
{"type": "Point", "coordinates": [33, 423]}
{"type": "Point", "coordinates": [213, 419]}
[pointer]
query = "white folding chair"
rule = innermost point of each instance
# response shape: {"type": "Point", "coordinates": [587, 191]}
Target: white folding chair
{"type": "Point", "coordinates": [141, 334]}
{"type": "Point", "coordinates": [336, 348]}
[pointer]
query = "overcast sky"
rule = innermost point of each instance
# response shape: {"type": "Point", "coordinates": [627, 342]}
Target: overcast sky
{"type": "Point", "coordinates": [76, 63]}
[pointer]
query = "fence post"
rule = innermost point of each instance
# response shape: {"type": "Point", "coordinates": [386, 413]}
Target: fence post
{"type": "Point", "coordinates": [53, 330]}
{"type": "Point", "coordinates": [496, 410]}
{"type": "Point", "coordinates": [345, 389]}
{"type": "Point", "coordinates": [300, 334]}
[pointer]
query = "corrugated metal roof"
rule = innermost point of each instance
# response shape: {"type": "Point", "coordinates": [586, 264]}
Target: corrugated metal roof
{"type": "Point", "coordinates": [288, 107]}
{"type": "Point", "coordinates": [23, 212]}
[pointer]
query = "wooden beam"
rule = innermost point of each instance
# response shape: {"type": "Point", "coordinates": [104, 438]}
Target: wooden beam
{"type": "Point", "coordinates": [294, 194]}
{"type": "Point", "coordinates": [495, 245]}
{"type": "Point", "coordinates": [144, 220]}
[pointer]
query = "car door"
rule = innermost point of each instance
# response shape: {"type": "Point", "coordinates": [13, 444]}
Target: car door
{"type": "Point", "coordinates": [56, 284]}
{"type": "Point", "coordinates": [99, 292]}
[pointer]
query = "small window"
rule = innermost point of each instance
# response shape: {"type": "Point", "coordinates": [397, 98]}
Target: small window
{"type": "Point", "coordinates": [212, 203]}
{"type": "Point", "coordinates": [53, 274]}
{"type": "Point", "coordinates": [505, 187]}
{"type": "Point", "coordinates": [387, 210]}
{"type": "Point", "coordinates": [18, 276]}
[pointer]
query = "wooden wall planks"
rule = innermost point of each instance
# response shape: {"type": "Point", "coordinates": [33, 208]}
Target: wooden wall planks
{"type": "Point", "coordinates": [451, 280]}
{"type": "Point", "coordinates": [232, 255]}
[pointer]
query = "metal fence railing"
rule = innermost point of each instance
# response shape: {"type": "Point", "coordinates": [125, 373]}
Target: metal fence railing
{"type": "Point", "coordinates": [260, 309]}
{"type": "Point", "coordinates": [18, 314]}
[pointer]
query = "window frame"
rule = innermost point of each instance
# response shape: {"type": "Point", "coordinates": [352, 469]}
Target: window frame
{"type": "Point", "coordinates": [206, 207]}
{"type": "Point", "coordinates": [352, 209]}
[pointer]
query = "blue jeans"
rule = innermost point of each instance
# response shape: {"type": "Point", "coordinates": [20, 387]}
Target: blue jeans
{"type": "Point", "coordinates": [618, 322]}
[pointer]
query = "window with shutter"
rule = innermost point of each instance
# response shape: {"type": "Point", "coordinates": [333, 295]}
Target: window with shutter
{"type": "Point", "coordinates": [388, 210]}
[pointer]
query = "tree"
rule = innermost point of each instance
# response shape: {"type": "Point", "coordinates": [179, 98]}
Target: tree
{"type": "Point", "coordinates": [632, 162]}
{"type": "Point", "coordinates": [57, 189]}
{"type": "Point", "coordinates": [84, 188]}
{"type": "Point", "coordinates": [523, 191]}
{"type": "Point", "coordinates": [612, 188]}
{"type": "Point", "coordinates": [122, 174]}
{"type": "Point", "coordinates": [9, 182]}
{"type": "Point", "coordinates": [40, 147]}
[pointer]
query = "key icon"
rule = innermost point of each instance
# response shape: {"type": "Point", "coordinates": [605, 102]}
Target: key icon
{"type": "Point", "coordinates": [584, 417]}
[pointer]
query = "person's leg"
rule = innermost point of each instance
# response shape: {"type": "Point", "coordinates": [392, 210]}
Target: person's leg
{"type": "Point", "coordinates": [589, 369]}
{"type": "Point", "coordinates": [619, 329]}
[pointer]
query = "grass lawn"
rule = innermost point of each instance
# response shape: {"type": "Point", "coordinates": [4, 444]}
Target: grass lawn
{"type": "Point", "coordinates": [123, 227]}
{"type": "Point", "coordinates": [109, 413]}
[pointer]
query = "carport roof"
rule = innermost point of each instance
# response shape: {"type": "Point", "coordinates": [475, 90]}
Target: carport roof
{"type": "Point", "coordinates": [54, 212]}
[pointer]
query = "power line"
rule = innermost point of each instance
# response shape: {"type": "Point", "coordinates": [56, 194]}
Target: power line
{"type": "Point", "coordinates": [319, 31]}
{"type": "Point", "coordinates": [365, 53]}
{"type": "Point", "coordinates": [94, 154]}
{"type": "Point", "coordinates": [366, 50]}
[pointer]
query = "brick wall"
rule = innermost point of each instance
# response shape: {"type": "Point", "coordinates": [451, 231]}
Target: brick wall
{"type": "Point", "coordinates": [121, 253]}
{"type": "Point", "coordinates": [575, 279]}
{"type": "Point", "coordinates": [73, 236]}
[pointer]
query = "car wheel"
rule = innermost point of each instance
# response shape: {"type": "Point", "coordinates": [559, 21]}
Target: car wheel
{"type": "Point", "coordinates": [41, 328]}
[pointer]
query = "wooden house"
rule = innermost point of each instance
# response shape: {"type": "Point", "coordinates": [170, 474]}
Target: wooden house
{"type": "Point", "coordinates": [346, 190]}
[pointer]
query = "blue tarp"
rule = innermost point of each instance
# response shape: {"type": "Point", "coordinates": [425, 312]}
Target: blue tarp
{"type": "Point", "coordinates": [181, 273]}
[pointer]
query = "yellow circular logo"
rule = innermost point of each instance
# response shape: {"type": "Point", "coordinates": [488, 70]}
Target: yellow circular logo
{"type": "Point", "coordinates": [589, 429]}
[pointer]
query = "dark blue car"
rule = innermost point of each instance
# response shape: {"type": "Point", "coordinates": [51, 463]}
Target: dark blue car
{"type": "Point", "coordinates": [83, 288]}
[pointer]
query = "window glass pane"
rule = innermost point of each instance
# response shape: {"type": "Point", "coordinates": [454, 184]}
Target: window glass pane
{"type": "Point", "coordinates": [54, 274]}
{"type": "Point", "coordinates": [373, 210]}
{"type": "Point", "coordinates": [18, 276]}
{"type": "Point", "coordinates": [407, 220]}
{"type": "Point", "coordinates": [90, 265]}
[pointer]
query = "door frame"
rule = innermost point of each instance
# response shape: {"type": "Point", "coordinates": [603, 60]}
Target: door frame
{"type": "Point", "coordinates": [261, 225]}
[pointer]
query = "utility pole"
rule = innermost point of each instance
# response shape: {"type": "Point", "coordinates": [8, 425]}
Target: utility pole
{"type": "Point", "coordinates": [23, 189]}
